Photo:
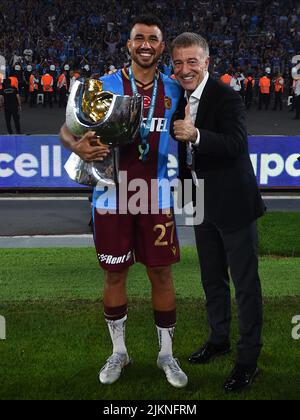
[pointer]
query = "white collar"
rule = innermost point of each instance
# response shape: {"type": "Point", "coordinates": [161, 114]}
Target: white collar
{"type": "Point", "coordinates": [198, 92]}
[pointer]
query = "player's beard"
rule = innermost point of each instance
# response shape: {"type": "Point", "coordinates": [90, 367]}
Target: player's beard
{"type": "Point", "coordinates": [145, 64]}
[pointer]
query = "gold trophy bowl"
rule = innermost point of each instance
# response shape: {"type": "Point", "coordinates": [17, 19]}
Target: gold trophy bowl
{"type": "Point", "coordinates": [116, 119]}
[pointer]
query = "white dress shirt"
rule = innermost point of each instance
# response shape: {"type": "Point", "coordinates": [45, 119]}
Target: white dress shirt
{"type": "Point", "coordinates": [194, 101]}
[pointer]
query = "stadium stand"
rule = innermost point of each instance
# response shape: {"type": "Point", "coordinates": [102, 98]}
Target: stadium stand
{"type": "Point", "coordinates": [88, 37]}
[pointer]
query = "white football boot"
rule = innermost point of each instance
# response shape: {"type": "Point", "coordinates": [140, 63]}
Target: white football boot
{"type": "Point", "coordinates": [174, 374]}
{"type": "Point", "coordinates": [113, 368]}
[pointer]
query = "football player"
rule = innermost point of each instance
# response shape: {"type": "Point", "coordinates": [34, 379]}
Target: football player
{"type": "Point", "coordinates": [148, 237]}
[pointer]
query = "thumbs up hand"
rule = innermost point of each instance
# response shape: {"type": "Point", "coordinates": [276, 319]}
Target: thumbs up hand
{"type": "Point", "coordinates": [188, 113]}
{"type": "Point", "coordinates": [185, 130]}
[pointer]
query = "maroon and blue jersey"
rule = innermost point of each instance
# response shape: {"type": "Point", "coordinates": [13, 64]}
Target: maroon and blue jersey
{"type": "Point", "coordinates": [154, 170]}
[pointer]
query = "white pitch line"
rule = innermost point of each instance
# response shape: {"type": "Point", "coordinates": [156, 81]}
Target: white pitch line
{"type": "Point", "coordinates": [273, 197]}
{"type": "Point", "coordinates": [84, 236]}
{"type": "Point", "coordinates": [265, 197]}
{"type": "Point", "coordinates": [43, 198]}
{"type": "Point", "coordinates": [47, 241]}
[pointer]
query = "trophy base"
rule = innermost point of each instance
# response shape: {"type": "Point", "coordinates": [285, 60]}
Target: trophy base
{"type": "Point", "coordinates": [95, 173]}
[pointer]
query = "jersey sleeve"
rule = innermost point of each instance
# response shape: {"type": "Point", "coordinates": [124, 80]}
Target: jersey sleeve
{"type": "Point", "coordinates": [113, 83]}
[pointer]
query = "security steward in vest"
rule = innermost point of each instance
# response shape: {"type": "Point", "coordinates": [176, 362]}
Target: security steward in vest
{"type": "Point", "coordinates": [47, 86]}
{"type": "Point", "coordinates": [226, 78]}
{"type": "Point", "coordinates": [264, 91]}
{"type": "Point", "coordinates": [33, 88]}
{"type": "Point", "coordinates": [62, 88]}
{"type": "Point", "coordinates": [249, 89]}
{"type": "Point", "coordinates": [278, 90]}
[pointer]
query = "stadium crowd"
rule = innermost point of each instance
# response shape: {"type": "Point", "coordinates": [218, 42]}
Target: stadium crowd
{"type": "Point", "coordinates": [75, 37]}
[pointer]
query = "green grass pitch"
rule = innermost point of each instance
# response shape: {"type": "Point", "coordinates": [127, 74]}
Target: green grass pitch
{"type": "Point", "coordinates": [57, 339]}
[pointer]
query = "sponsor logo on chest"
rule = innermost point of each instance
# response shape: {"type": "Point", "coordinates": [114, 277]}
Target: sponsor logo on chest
{"type": "Point", "coordinates": [158, 125]}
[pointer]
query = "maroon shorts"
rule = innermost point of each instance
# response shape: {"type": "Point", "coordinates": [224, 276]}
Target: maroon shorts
{"type": "Point", "coordinates": [122, 239]}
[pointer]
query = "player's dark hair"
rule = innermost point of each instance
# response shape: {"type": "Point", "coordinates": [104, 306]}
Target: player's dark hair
{"type": "Point", "coordinates": [148, 20]}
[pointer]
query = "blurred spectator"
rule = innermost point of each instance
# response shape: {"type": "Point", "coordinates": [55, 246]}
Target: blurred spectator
{"type": "Point", "coordinates": [278, 83]}
{"type": "Point", "coordinates": [74, 75]}
{"type": "Point", "coordinates": [264, 91]}
{"type": "Point", "coordinates": [62, 87]}
{"type": "Point", "coordinates": [26, 78]}
{"type": "Point", "coordinates": [11, 102]}
{"type": "Point", "coordinates": [249, 90]}
{"type": "Point", "coordinates": [235, 83]}
{"type": "Point", "coordinates": [33, 88]}
{"type": "Point", "coordinates": [226, 78]}
{"type": "Point", "coordinates": [14, 82]}
{"type": "Point", "coordinates": [53, 73]}
{"type": "Point", "coordinates": [47, 85]}
{"type": "Point", "coordinates": [245, 36]}
{"type": "Point", "coordinates": [297, 98]}
{"type": "Point", "coordinates": [250, 34]}
{"type": "Point", "coordinates": [86, 71]}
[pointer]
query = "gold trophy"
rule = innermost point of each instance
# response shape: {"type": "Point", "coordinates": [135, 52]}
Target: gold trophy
{"type": "Point", "coordinates": [116, 119]}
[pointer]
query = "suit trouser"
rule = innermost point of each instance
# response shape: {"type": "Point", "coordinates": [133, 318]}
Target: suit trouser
{"type": "Point", "coordinates": [217, 250]}
{"type": "Point", "coordinates": [16, 117]}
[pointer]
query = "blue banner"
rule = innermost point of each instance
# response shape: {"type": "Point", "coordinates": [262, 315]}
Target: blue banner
{"type": "Point", "coordinates": [275, 160]}
{"type": "Point", "coordinates": [38, 162]}
{"type": "Point", "coordinates": [33, 162]}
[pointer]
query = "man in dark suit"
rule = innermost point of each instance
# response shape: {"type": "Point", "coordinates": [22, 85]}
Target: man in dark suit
{"type": "Point", "coordinates": [211, 129]}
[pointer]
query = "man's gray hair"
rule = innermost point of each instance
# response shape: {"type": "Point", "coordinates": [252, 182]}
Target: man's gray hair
{"type": "Point", "coordinates": [189, 39]}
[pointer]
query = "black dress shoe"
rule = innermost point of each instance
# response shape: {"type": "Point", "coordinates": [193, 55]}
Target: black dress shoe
{"type": "Point", "coordinates": [241, 378]}
{"type": "Point", "coordinates": [209, 352]}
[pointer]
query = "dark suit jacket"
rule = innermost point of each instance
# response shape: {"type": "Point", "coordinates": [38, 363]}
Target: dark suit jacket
{"type": "Point", "coordinates": [232, 197]}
